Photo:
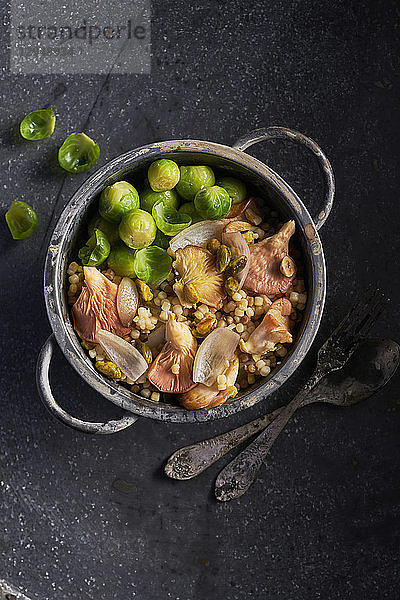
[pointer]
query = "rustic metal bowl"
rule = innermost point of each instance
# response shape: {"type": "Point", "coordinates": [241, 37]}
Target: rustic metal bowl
{"type": "Point", "coordinates": [267, 183]}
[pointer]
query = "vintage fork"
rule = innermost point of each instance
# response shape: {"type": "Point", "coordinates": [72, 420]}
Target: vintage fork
{"type": "Point", "coordinates": [235, 479]}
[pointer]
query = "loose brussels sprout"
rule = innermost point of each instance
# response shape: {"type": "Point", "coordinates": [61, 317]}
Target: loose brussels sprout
{"type": "Point", "coordinates": [149, 197]}
{"type": "Point", "coordinates": [235, 188]}
{"type": "Point", "coordinates": [163, 175]}
{"type": "Point", "coordinates": [110, 230]}
{"type": "Point", "coordinates": [161, 240]}
{"type": "Point", "coordinates": [96, 250]}
{"type": "Point", "coordinates": [189, 209]}
{"type": "Point", "coordinates": [37, 125]}
{"type": "Point", "coordinates": [152, 265]}
{"type": "Point", "coordinates": [213, 203]}
{"type": "Point", "coordinates": [169, 220]}
{"type": "Point", "coordinates": [194, 179]}
{"type": "Point", "coordinates": [21, 220]}
{"type": "Point", "coordinates": [116, 200]}
{"type": "Point", "coordinates": [121, 261]}
{"type": "Point", "coordinates": [78, 153]}
{"type": "Point", "coordinates": [137, 229]}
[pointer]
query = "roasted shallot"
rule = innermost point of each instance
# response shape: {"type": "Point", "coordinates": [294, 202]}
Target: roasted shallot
{"type": "Point", "coordinates": [123, 354]}
{"type": "Point", "coordinates": [214, 354]}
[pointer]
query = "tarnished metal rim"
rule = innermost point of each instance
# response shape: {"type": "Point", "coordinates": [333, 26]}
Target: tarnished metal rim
{"type": "Point", "coordinates": [58, 312]}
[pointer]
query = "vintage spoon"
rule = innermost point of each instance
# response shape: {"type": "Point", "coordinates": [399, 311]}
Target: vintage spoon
{"type": "Point", "coordinates": [236, 478]}
{"type": "Point", "coordinates": [372, 364]}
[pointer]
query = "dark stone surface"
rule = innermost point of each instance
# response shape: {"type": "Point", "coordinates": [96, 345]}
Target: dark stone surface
{"type": "Point", "coordinates": [94, 517]}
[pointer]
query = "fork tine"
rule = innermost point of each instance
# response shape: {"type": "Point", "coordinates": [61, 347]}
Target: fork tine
{"type": "Point", "coordinates": [351, 316]}
{"type": "Point", "coordinates": [374, 315]}
{"type": "Point", "coordinates": [364, 323]}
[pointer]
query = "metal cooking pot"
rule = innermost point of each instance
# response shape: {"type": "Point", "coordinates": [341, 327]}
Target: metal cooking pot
{"type": "Point", "coordinates": [236, 161]}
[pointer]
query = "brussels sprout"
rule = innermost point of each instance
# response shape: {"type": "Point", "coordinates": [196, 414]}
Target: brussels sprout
{"type": "Point", "coordinates": [110, 230]}
{"type": "Point", "coordinates": [161, 240]}
{"type": "Point", "coordinates": [116, 200]}
{"type": "Point", "coordinates": [163, 175]}
{"type": "Point", "coordinates": [169, 220]}
{"type": "Point", "coordinates": [21, 220]}
{"type": "Point", "coordinates": [121, 261]}
{"type": "Point", "coordinates": [235, 188]}
{"type": "Point", "coordinates": [37, 125]}
{"type": "Point", "coordinates": [213, 203]}
{"type": "Point", "coordinates": [149, 197]}
{"type": "Point", "coordinates": [96, 250]}
{"type": "Point", "coordinates": [189, 209]}
{"type": "Point", "coordinates": [194, 179]}
{"type": "Point", "coordinates": [78, 153]}
{"type": "Point", "coordinates": [152, 265]}
{"type": "Point", "coordinates": [137, 229]}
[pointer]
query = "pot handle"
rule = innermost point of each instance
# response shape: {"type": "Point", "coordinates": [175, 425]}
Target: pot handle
{"type": "Point", "coordinates": [46, 395]}
{"type": "Point", "coordinates": [273, 133]}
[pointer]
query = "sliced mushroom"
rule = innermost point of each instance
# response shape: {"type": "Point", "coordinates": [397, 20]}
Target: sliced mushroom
{"type": "Point", "coordinates": [238, 226]}
{"type": "Point", "coordinates": [171, 371]}
{"type": "Point", "coordinates": [273, 329]}
{"type": "Point", "coordinates": [238, 209]}
{"type": "Point", "coordinates": [96, 307]}
{"type": "Point", "coordinates": [265, 275]}
{"type": "Point", "coordinates": [214, 354]}
{"type": "Point", "coordinates": [198, 274]}
{"type": "Point", "coordinates": [205, 397]}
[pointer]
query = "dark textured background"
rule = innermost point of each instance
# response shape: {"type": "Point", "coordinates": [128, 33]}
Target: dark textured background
{"type": "Point", "coordinates": [322, 519]}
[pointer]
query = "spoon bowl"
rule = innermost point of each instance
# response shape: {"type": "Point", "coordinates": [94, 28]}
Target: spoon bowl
{"type": "Point", "coordinates": [370, 367]}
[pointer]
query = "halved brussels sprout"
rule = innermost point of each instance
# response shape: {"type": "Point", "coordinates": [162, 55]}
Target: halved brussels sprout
{"type": "Point", "coordinates": [21, 220]}
{"type": "Point", "coordinates": [163, 174]}
{"type": "Point", "coordinates": [96, 250]}
{"type": "Point", "coordinates": [149, 197]}
{"type": "Point", "coordinates": [194, 179]}
{"type": "Point", "coordinates": [152, 265]}
{"type": "Point", "coordinates": [189, 209]}
{"type": "Point", "coordinates": [121, 261]}
{"type": "Point", "coordinates": [37, 125]}
{"type": "Point", "coordinates": [78, 153]}
{"type": "Point", "coordinates": [169, 220]}
{"type": "Point", "coordinates": [213, 203]}
{"type": "Point", "coordinates": [235, 188]}
{"type": "Point", "coordinates": [110, 230]}
{"type": "Point", "coordinates": [118, 199]}
{"type": "Point", "coordinates": [161, 240]}
{"type": "Point", "coordinates": [137, 229]}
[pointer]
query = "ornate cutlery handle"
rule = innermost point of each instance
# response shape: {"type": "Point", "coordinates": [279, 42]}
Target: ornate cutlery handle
{"type": "Point", "coordinates": [189, 461]}
{"type": "Point", "coordinates": [236, 478]}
